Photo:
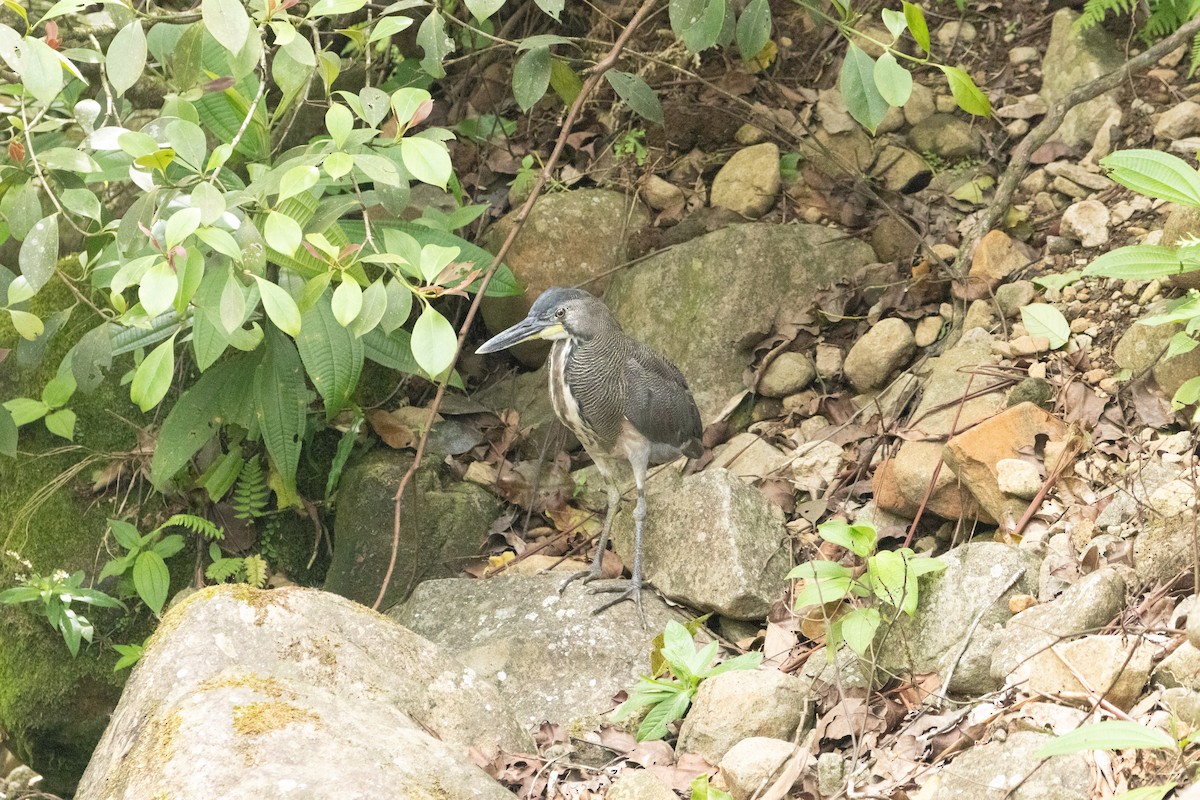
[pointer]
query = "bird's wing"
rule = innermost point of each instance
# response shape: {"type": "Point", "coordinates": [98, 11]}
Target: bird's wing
{"type": "Point", "coordinates": [660, 405]}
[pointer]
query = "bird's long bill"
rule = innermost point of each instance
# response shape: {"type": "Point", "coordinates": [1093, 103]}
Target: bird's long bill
{"type": "Point", "coordinates": [523, 331]}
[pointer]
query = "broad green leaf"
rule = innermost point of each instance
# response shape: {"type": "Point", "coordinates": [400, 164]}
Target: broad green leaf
{"type": "Point", "coordinates": [746, 661]}
{"type": "Point", "coordinates": [819, 570]}
{"type": "Point", "coordinates": [153, 376]}
{"type": "Point", "coordinates": [406, 101]}
{"type": "Point", "coordinates": [39, 252]}
{"type": "Point", "coordinates": [25, 410]}
{"type": "Point", "coordinates": [62, 423]}
{"type": "Point", "coordinates": [8, 434]}
{"type": "Point", "coordinates": [531, 77]}
{"type": "Point", "coordinates": [1155, 174]}
{"type": "Point", "coordinates": [434, 259]}
{"type": "Point", "coordinates": [389, 26]}
{"type": "Point", "coordinates": [22, 207]}
{"type": "Point", "coordinates": [893, 81]}
{"type": "Point", "coordinates": [151, 579]}
{"type": "Point", "coordinates": [1046, 321]}
{"type": "Point", "coordinates": [187, 139]}
{"type": "Point", "coordinates": [374, 304]}
{"type": "Point", "coordinates": [640, 98]}
{"type": "Point", "coordinates": [296, 180]}
{"type": "Point", "coordinates": [29, 326]}
{"type": "Point", "coordinates": [126, 57]}
{"type": "Point", "coordinates": [41, 70]}
{"type": "Point", "coordinates": [858, 539]}
{"type": "Point", "coordinates": [1187, 394]}
{"type": "Point", "coordinates": [891, 580]}
{"type": "Point", "coordinates": [654, 725]}
{"type": "Point", "coordinates": [399, 305]}
{"type": "Point", "coordinates": [552, 8]}
{"type": "Point", "coordinates": [1140, 262]}
{"type": "Point", "coordinates": [894, 21]}
{"type": "Point", "coordinates": [697, 23]}
{"type": "Point", "coordinates": [338, 164]}
{"type": "Point", "coordinates": [81, 202]}
{"type": "Point", "coordinates": [339, 122]}
{"type": "Point", "coordinates": [677, 650]}
{"type": "Point", "coordinates": [232, 309]}
{"type": "Point", "coordinates": [280, 306]}
{"type": "Point", "coordinates": [817, 593]}
{"type": "Point", "coordinates": [19, 290]}
{"type": "Point", "coordinates": [859, 627]}
{"type": "Point", "coordinates": [966, 93]}
{"type": "Point", "coordinates": [227, 21]}
{"type": "Point", "coordinates": [157, 289]}
{"type": "Point", "coordinates": [280, 399]}
{"type": "Point", "coordinates": [282, 232]}
{"type": "Point", "coordinates": [347, 301]}
{"type": "Point", "coordinates": [433, 342]}
{"type": "Point", "coordinates": [432, 38]}
{"type": "Point", "coordinates": [333, 8]}
{"type": "Point", "coordinates": [59, 389]}
{"type": "Point", "coordinates": [482, 9]}
{"type": "Point", "coordinates": [428, 161]}
{"type": "Point", "coordinates": [1157, 792]}
{"type": "Point", "coordinates": [1180, 343]}
{"type": "Point", "coordinates": [917, 26]}
{"type": "Point", "coordinates": [857, 84]}
{"type": "Point", "coordinates": [332, 356]}
{"type": "Point", "coordinates": [379, 169]}
{"type": "Point", "coordinates": [754, 28]}
{"type": "Point", "coordinates": [181, 225]}
{"type": "Point", "coordinates": [564, 80]}
{"type": "Point", "coordinates": [1108, 735]}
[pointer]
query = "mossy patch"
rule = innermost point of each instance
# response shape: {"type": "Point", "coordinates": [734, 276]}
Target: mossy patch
{"type": "Point", "coordinates": [255, 719]}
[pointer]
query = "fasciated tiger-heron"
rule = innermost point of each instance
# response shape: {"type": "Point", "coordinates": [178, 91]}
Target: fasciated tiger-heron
{"type": "Point", "coordinates": [623, 401]}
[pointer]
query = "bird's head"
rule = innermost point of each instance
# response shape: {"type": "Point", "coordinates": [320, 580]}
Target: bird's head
{"type": "Point", "coordinates": [557, 314]}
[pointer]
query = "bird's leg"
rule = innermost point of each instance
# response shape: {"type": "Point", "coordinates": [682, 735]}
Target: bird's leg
{"type": "Point", "coordinates": [633, 591]}
{"type": "Point", "coordinates": [614, 502]}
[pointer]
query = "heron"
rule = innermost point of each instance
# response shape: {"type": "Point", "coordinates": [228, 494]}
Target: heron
{"type": "Point", "coordinates": [624, 402]}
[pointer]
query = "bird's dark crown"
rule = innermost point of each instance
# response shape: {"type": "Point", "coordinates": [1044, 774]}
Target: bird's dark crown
{"type": "Point", "coordinates": [581, 314]}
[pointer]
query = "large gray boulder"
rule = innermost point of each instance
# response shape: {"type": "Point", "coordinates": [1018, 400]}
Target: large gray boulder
{"type": "Point", "coordinates": [296, 693]}
{"type": "Point", "coordinates": [1075, 57]}
{"type": "Point", "coordinates": [712, 542]}
{"type": "Point", "coordinates": [444, 521]}
{"type": "Point", "coordinates": [1011, 770]}
{"type": "Point", "coordinates": [702, 303]}
{"type": "Point", "coordinates": [737, 705]}
{"type": "Point", "coordinates": [552, 658]}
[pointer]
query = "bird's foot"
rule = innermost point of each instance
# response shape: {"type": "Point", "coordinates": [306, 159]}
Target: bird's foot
{"type": "Point", "coordinates": [588, 575]}
{"type": "Point", "coordinates": [632, 591]}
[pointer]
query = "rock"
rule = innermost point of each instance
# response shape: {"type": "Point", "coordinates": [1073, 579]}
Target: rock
{"type": "Point", "coordinates": [736, 705]}
{"type": "Point", "coordinates": [1027, 107]}
{"type": "Point", "coordinates": [980, 314]}
{"type": "Point", "coordinates": [839, 155]}
{"type": "Point", "coordinates": [661, 194]}
{"type": "Point", "coordinates": [1180, 669]}
{"type": "Point", "coordinates": [447, 521]}
{"type": "Point", "coordinates": [749, 457]}
{"type": "Point", "coordinates": [996, 257]}
{"type": "Point", "coordinates": [893, 240]}
{"type": "Point", "coordinates": [712, 543]}
{"type": "Point", "coordinates": [973, 455]}
{"type": "Point", "coordinates": [570, 238]}
{"type": "Point", "coordinates": [945, 384]}
{"type": "Point", "coordinates": [753, 764]}
{"type": "Point", "coordinates": [1163, 548]}
{"type": "Point", "coordinates": [749, 135]}
{"type": "Point", "coordinates": [1079, 175]}
{"type": "Point", "coordinates": [892, 400]}
{"type": "Point", "coordinates": [946, 136]}
{"type": "Point", "coordinates": [882, 350]}
{"type": "Point", "coordinates": [1087, 605]}
{"type": "Point", "coordinates": [1116, 667]}
{"type": "Point", "coordinates": [815, 465]}
{"type": "Point", "coordinates": [1140, 348]}
{"type": "Point", "coordinates": [954, 32]}
{"type": "Point", "coordinates": [846, 671]}
{"type": "Point", "coordinates": [971, 595]}
{"type": "Point", "coordinates": [749, 182]}
{"type": "Point", "coordinates": [1075, 57]}
{"type": "Point", "coordinates": [1182, 222]}
{"type": "Point", "coordinates": [1011, 770]}
{"type": "Point", "coordinates": [831, 774]}
{"type": "Point", "coordinates": [688, 304]}
{"type": "Point", "coordinates": [1018, 477]}
{"type": "Point", "coordinates": [1087, 223]}
{"type": "Point", "coordinates": [1183, 704]}
{"type": "Point", "coordinates": [920, 104]}
{"type": "Point", "coordinates": [1038, 391]}
{"type": "Point", "coordinates": [787, 374]}
{"type": "Point", "coordinates": [296, 690]}
{"type": "Point", "coordinates": [1023, 55]}
{"type": "Point", "coordinates": [1010, 297]}
{"type": "Point", "coordinates": [1179, 121]}
{"type": "Point", "coordinates": [828, 361]}
{"type": "Point", "coordinates": [900, 169]}
{"type": "Point", "coordinates": [639, 784]}
{"type": "Point", "coordinates": [928, 330]}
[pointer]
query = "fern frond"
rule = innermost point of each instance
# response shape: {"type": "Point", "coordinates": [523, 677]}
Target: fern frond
{"type": "Point", "coordinates": [1094, 11]}
{"type": "Point", "coordinates": [1194, 58]}
{"type": "Point", "coordinates": [251, 493]}
{"type": "Point", "coordinates": [195, 524]}
{"type": "Point", "coordinates": [223, 569]}
{"type": "Point", "coordinates": [255, 571]}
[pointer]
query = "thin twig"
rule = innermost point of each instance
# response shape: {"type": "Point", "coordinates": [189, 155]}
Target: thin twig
{"type": "Point", "coordinates": [596, 74]}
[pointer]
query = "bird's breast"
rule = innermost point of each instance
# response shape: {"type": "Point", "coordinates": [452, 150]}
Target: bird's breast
{"type": "Point", "coordinates": [566, 405]}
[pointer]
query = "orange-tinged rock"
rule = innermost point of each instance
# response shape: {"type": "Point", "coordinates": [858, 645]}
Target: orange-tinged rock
{"type": "Point", "coordinates": [997, 256]}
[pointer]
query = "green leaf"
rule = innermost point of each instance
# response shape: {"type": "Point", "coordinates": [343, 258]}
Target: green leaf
{"type": "Point", "coordinates": [153, 376]}
{"type": "Point", "coordinates": [125, 533]}
{"type": "Point", "coordinates": [389, 26]}
{"type": "Point", "coordinates": [754, 28]}
{"type": "Point", "coordinates": [893, 81]}
{"type": "Point", "coordinates": [677, 650]}
{"type": "Point", "coordinates": [531, 77]}
{"type": "Point", "coordinates": [296, 180]}
{"type": "Point", "coordinates": [280, 399]}
{"type": "Point", "coordinates": [280, 306]}
{"type": "Point", "coordinates": [339, 122]}
{"type": "Point", "coordinates": [227, 21]}
{"type": "Point", "coordinates": [29, 326]}
{"type": "Point", "coordinates": [889, 579]}
{"type": "Point", "coordinates": [858, 539]}
{"type": "Point", "coordinates": [25, 410]}
{"type": "Point", "coordinates": [62, 423]}
{"type": "Point", "coordinates": [654, 725]}
{"type": "Point", "coordinates": [859, 627]}
{"type": "Point", "coordinates": [565, 82]}
{"type": "Point", "coordinates": [894, 21]}
{"type": "Point", "coordinates": [8, 434]}
{"type": "Point", "coordinates": [283, 233]}
{"type": "Point", "coordinates": [1108, 735]}
{"type": "Point", "coordinates": [432, 38]}
{"type": "Point", "coordinates": [428, 161]}
{"type": "Point", "coordinates": [333, 8]}
{"type": "Point", "coordinates": [819, 570]}
{"type": "Point", "coordinates": [816, 593]}
{"type": "Point", "coordinates": [1046, 321]}
{"type": "Point", "coordinates": [1140, 262]}
{"type": "Point", "coordinates": [347, 301]}
{"type": "Point", "coordinates": [130, 655]}
{"type": "Point", "coordinates": [433, 342]}
{"type": "Point", "coordinates": [332, 356]}
{"type": "Point", "coordinates": [1155, 174]}
{"type": "Point", "coordinates": [151, 579]}
{"type": "Point", "coordinates": [552, 8]}
{"type": "Point", "coordinates": [746, 661]}
{"type": "Point", "coordinates": [857, 84]}
{"type": "Point", "coordinates": [374, 304]}
{"type": "Point", "coordinates": [697, 23]}
{"type": "Point", "coordinates": [640, 98]}
{"type": "Point", "coordinates": [338, 164]}
{"type": "Point", "coordinates": [126, 57]}
{"type": "Point", "coordinates": [157, 289]}
{"type": "Point", "coordinates": [966, 93]}
{"type": "Point", "coordinates": [1146, 792]}
{"type": "Point", "coordinates": [39, 252]}
{"type": "Point", "coordinates": [701, 790]}
{"type": "Point", "coordinates": [399, 305]}
{"type": "Point", "coordinates": [917, 26]}
{"type": "Point", "coordinates": [41, 70]}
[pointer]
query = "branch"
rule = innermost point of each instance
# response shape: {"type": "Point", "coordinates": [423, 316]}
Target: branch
{"type": "Point", "coordinates": [1019, 159]}
{"type": "Point", "coordinates": [596, 74]}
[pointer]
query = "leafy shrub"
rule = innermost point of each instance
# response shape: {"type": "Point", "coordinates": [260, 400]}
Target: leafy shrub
{"type": "Point", "coordinates": [56, 593]}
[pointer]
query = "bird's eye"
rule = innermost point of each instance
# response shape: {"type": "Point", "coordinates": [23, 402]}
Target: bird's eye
{"type": "Point", "coordinates": [562, 312]}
